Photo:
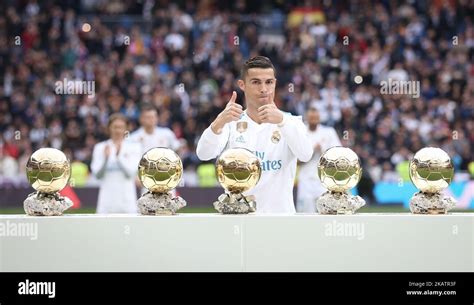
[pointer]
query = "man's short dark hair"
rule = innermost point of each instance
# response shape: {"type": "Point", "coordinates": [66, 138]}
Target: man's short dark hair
{"type": "Point", "coordinates": [261, 62]}
{"type": "Point", "coordinates": [147, 107]}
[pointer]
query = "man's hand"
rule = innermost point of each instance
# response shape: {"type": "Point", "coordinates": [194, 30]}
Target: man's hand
{"type": "Point", "coordinates": [231, 113]}
{"type": "Point", "coordinates": [317, 148]}
{"type": "Point", "coordinates": [107, 151]}
{"type": "Point", "coordinates": [270, 114]}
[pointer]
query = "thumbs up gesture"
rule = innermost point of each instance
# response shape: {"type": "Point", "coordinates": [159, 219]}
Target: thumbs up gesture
{"type": "Point", "coordinates": [231, 112]}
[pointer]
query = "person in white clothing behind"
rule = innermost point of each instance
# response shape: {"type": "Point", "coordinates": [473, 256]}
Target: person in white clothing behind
{"type": "Point", "coordinates": [149, 135]}
{"type": "Point", "coordinates": [278, 139]}
{"type": "Point", "coordinates": [115, 164]}
{"type": "Point", "coordinates": [309, 186]}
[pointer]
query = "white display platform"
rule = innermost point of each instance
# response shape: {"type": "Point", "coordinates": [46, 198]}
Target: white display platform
{"type": "Point", "coordinates": [211, 242]}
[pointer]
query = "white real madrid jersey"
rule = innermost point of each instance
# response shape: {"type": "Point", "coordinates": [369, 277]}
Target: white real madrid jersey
{"type": "Point", "coordinates": [161, 137]}
{"type": "Point", "coordinates": [117, 193]}
{"type": "Point", "coordinates": [277, 148]}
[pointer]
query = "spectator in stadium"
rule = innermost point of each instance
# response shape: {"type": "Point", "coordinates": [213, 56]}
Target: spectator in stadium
{"type": "Point", "coordinates": [115, 163]}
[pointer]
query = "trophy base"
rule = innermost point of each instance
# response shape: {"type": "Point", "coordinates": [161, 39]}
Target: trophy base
{"type": "Point", "coordinates": [433, 204]}
{"type": "Point", "coordinates": [338, 203]}
{"type": "Point", "coordinates": [235, 204]}
{"type": "Point", "coordinates": [159, 204]}
{"type": "Point", "coordinates": [45, 204]}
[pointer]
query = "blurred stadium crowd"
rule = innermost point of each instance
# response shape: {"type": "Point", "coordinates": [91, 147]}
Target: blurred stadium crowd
{"type": "Point", "coordinates": [184, 57]}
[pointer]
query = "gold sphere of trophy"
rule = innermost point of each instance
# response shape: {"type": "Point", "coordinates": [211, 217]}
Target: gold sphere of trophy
{"type": "Point", "coordinates": [160, 170]}
{"type": "Point", "coordinates": [48, 171]}
{"type": "Point", "coordinates": [431, 171]}
{"type": "Point", "coordinates": [339, 170]}
{"type": "Point", "coordinates": [238, 170]}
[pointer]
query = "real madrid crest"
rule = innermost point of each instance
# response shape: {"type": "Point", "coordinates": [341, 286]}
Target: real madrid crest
{"type": "Point", "coordinates": [242, 126]}
{"type": "Point", "coordinates": [276, 136]}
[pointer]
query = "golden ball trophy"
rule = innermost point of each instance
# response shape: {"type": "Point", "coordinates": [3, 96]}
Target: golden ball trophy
{"type": "Point", "coordinates": [48, 171]}
{"type": "Point", "coordinates": [339, 170]}
{"type": "Point", "coordinates": [238, 170]}
{"type": "Point", "coordinates": [160, 171]}
{"type": "Point", "coordinates": [431, 171]}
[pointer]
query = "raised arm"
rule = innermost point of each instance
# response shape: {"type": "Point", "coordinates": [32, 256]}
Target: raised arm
{"type": "Point", "coordinates": [100, 157]}
{"type": "Point", "coordinates": [128, 161]}
{"type": "Point", "coordinates": [215, 137]}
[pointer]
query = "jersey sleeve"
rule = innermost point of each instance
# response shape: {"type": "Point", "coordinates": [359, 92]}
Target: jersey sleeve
{"type": "Point", "coordinates": [135, 136]}
{"type": "Point", "coordinates": [210, 145]}
{"type": "Point", "coordinates": [98, 159]}
{"type": "Point", "coordinates": [296, 135]}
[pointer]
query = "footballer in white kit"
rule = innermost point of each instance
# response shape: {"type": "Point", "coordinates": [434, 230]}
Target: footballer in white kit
{"type": "Point", "coordinates": [278, 139]}
{"type": "Point", "coordinates": [149, 135]}
{"type": "Point", "coordinates": [309, 186]}
{"type": "Point", "coordinates": [114, 163]}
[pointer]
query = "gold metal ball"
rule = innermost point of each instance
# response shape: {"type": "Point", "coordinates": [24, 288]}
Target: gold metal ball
{"type": "Point", "coordinates": [238, 170]}
{"type": "Point", "coordinates": [160, 170]}
{"type": "Point", "coordinates": [339, 169]}
{"type": "Point", "coordinates": [48, 170]}
{"type": "Point", "coordinates": [431, 170]}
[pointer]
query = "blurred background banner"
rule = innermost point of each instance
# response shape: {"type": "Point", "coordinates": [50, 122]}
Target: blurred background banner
{"type": "Point", "coordinates": [66, 66]}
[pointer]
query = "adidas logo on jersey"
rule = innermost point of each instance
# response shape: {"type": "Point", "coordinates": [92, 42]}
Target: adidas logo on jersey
{"type": "Point", "coordinates": [240, 139]}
